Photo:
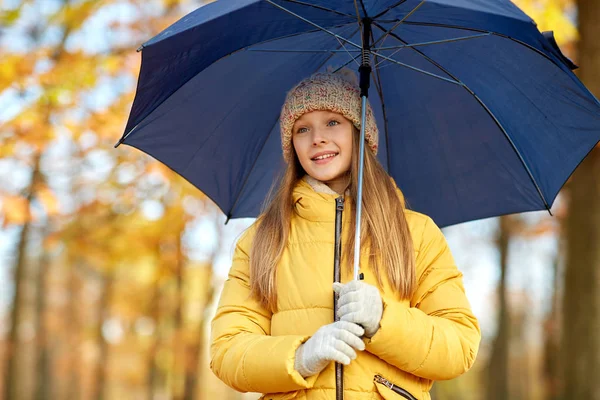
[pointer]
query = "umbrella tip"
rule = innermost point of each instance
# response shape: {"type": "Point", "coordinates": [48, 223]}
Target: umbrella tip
{"type": "Point", "coordinates": [140, 48]}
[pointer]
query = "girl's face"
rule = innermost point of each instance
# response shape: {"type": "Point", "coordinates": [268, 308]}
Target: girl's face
{"type": "Point", "coordinates": [323, 143]}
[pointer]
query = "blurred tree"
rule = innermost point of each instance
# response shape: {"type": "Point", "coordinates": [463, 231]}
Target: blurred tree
{"type": "Point", "coordinates": [497, 372]}
{"type": "Point", "coordinates": [43, 388]}
{"type": "Point", "coordinates": [35, 129]}
{"type": "Point", "coordinates": [550, 326]}
{"type": "Point", "coordinates": [12, 379]}
{"type": "Point", "coordinates": [580, 359]}
{"type": "Point", "coordinates": [66, 82]}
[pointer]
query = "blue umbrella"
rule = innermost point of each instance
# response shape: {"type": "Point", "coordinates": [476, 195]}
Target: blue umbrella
{"type": "Point", "coordinates": [479, 113]}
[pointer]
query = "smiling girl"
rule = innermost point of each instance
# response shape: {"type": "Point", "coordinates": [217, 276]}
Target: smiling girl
{"type": "Point", "coordinates": [291, 321]}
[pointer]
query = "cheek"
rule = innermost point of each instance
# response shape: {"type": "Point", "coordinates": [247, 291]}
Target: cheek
{"type": "Point", "coordinates": [348, 142]}
{"type": "Point", "coordinates": [295, 145]}
{"type": "Point", "coordinates": [299, 146]}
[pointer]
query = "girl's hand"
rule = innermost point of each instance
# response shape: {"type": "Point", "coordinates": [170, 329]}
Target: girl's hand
{"type": "Point", "coordinates": [337, 342]}
{"type": "Point", "coordinates": [360, 303]}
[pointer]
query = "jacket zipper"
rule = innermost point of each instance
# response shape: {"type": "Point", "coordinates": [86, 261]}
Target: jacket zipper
{"type": "Point", "coordinates": [339, 209]}
{"type": "Point", "coordinates": [394, 388]}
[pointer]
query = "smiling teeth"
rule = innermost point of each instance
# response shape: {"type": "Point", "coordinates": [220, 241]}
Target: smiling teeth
{"type": "Point", "coordinates": [324, 157]}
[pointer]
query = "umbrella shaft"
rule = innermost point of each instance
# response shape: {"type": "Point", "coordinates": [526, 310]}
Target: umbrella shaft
{"type": "Point", "coordinates": [360, 185]}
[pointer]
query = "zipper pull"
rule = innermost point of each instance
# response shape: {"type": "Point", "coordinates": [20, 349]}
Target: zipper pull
{"type": "Point", "coordinates": [339, 203]}
{"type": "Point", "coordinates": [383, 381]}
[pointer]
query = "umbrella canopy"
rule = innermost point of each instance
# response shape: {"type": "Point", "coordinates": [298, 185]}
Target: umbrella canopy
{"type": "Point", "coordinates": [479, 113]}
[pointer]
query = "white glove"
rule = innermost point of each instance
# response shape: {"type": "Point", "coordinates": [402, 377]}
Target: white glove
{"type": "Point", "coordinates": [332, 342]}
{"type": "Point", "coordinates": [360, 303]}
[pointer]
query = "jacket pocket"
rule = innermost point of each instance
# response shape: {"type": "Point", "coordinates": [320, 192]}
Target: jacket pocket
{"type": "Point", "coordinates": [389, 391]}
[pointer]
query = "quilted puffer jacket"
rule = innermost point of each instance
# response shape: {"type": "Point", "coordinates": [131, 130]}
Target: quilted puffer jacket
{"type": "Point", "coordinates": [432, 336]}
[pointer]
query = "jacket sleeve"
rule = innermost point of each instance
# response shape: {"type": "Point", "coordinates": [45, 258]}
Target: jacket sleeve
{"type": "Point", "coordinates": [243, 353]}
{"type": "Point", "coordinates": [437, 336]}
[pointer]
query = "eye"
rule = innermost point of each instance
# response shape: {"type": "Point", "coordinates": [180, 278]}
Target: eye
{"type": "Point", "coordinates": [300, 130]}
{"type": "Point", "coordinates": [333, 120]}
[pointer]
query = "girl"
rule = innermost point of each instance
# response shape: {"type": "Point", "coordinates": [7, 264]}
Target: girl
{"type": "Point", "coordinates": [403, 325]}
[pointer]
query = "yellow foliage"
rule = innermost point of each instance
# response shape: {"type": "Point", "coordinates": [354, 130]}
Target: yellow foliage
{"type": "Point", "coordinates": [74, 14]}
{"type": "Point", "coordinates": [110, 123]}
{"type": "Point", "coordinates": [112, 64]}
{"type": "Point", "coordinates": [48, 200]}
{"type": "Point", "coordinates": [75, 71]}
{"type": "Point", "coordinates": [15, 68]}
{"type": "Point", "coordinates": [9, 17]}
{"type": "Point", "coordinates": [31, 126]}
{"type": "Point", "coordinates": [15, 210]}
{"type": "Point", "coordinates": [552, 15]}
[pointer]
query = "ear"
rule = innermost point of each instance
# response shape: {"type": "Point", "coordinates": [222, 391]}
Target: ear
{"type": "Point", "coordinates": [337, 287]}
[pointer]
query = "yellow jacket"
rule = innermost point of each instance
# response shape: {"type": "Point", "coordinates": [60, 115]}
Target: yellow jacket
{"type": "Point", "coordinates": [434, 336]}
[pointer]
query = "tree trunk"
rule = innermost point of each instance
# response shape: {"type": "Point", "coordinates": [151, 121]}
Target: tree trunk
{"type": "Point", "coordinates": [154, 311]}
{"type": "Point", "coordinates": [551, 324]}
{"type": "Point", "coordinates": [196, 349]}
{"type": "Point", "coordinates": [103, 313]}
{"type": "Point", "coordinates": [11, 376]}
{"type": "Point", "coordinates": [43, 381]}
{"type": "Point", "coordinates": [74, 334]}
{"type": "Point", "coordinates": [581, 303]}
{"type": "Point", "coordinates": [497, 380]}
{"type": "Point", "coordinates": [179, 345]}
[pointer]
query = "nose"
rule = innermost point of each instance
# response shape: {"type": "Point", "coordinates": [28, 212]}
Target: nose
{"type": "Point", "coordinates": [319, 137]}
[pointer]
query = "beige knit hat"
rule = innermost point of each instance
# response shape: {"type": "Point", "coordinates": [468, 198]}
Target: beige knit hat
{"type": "Point", "coordinates": [337, 92]}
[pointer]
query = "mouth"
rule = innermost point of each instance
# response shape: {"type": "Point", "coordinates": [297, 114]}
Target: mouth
{"type": "Point", "coordinates": [324, 158]}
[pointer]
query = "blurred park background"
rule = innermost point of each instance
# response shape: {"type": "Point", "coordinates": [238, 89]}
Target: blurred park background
{"type": "Point", "coordinates": [111, 265]}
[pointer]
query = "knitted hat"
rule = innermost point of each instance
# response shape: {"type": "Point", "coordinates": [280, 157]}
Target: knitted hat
{"type": "Point", "coordinates": [326, 91]}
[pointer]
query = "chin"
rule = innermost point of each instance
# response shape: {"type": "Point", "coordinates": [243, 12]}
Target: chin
{"type": "Point", "coordinates": [324, 176]}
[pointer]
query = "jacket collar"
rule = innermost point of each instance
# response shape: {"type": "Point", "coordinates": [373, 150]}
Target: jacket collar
{"type": "Point", "coordinates": [319, 186]}
{"type": "Point", "coordinates": [315, 201]}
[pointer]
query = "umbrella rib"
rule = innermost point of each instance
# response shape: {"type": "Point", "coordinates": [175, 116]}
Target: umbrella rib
{"type": "Point", "coordinates": [385, 119]}
{"type": "Point", "coordinates": [313, 24]}
{"type": "Point", "coordinates": [302, 51]}
{"type": "Point", "coordinates": [433, 42]}
{"type": "Point", "coordinates": [541, 53]}
{"type": "Point", "coordinates": [347, 51]}
{"type": "Point", "coordinates": [514, 147]}
{"type": "Point", "coordinates": [389, 8]}
{"type": "Point", "coordinates": [436, 42]}
{"type": "Point", "coordinates": [483, 31]}
{"type": "Point", "coordinates": [362, 4]}
{"type": "Point", "coordinates": [358, 20]}
{"type": "Point", "coordinates": [283, 37]}
{"type": "Point", "coordinates": [416, 69]}
{"type": "Point", "coordinates": [320, 8]}
{"type": "Point", "coordinates": [338, 37]}
{"type": "Point", "coordinates": [382, 38]}
{"type": "Point", "coordinates": [348, 62]}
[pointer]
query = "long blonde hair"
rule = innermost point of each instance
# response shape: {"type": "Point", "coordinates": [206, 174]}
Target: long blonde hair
{"type": "Point", "coordinates": [384, 229]}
